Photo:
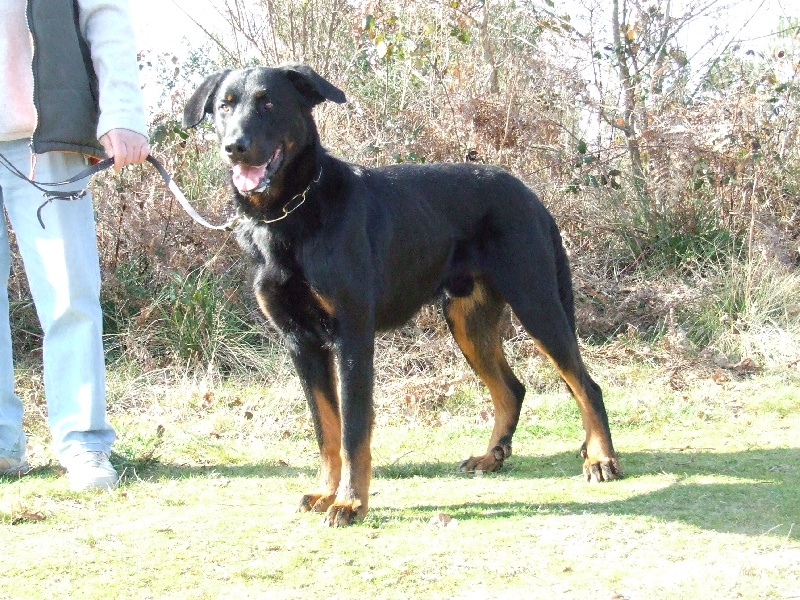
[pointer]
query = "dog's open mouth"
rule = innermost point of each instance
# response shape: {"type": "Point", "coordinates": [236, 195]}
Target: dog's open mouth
{"type": "Point", "coordinates": [252, 180]}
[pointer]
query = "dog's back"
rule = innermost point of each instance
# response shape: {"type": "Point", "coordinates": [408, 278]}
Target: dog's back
{"type": "Point", "coordinates": [445, 219]}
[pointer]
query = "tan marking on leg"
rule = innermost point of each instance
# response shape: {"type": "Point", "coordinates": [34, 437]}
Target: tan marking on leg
{"type": "Point", "coordinates": [493, 369]}
{"type": "Point", "coordinates": [600, 460]}
{"type": "Point", "coordinates": [352, 498]}
{"type": "Point", "coordinates": [324, 303]}
{"type": "Point", "coordinates": [330, 452]}
{"type": "Point", "coordinates": [262, 304]}
{"type": "Point", "coordinates": [506, 404]}
{"type": "Point", "coordinates": [591, 420]}
{"type": "Point", "coordinates": [329, 456]}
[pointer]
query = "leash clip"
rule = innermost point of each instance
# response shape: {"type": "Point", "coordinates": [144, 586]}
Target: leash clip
{"type": "Point", "coordinates": [49, 196]}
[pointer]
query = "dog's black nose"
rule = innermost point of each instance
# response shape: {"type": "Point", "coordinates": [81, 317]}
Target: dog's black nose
{"type": "Point", "coordinates": [237, 146]}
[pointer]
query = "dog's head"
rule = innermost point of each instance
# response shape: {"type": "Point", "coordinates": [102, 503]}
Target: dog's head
{"type": "Point", "coordinates": [262, 117]}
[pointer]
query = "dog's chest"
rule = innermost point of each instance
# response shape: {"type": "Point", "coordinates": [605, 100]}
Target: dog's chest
{"type": "Point", "coordinates": [293, 303]}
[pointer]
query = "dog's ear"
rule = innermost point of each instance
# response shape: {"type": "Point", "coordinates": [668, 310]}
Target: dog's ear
{"type": "Point", "coordinates": [313, 87]}
{"type": "Point", "coordinates": [202, 101]}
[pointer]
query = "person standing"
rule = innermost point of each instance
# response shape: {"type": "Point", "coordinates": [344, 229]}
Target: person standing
{"type": "Point", "coordinates": [70, 91]}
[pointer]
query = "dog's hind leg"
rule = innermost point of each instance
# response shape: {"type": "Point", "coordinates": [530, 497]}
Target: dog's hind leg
{"type": "Point", "coordinates": [474, 321]}
{"type": "Point", "coordinates": [600, 462]}
{"type": "Point", "coordinates": [540, 296]}
{"type": "Point", "coordinates": [315, 367]}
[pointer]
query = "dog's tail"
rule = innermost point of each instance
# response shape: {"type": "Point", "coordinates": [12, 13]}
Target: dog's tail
{"type": "Point", "coordinates": [563, 275]}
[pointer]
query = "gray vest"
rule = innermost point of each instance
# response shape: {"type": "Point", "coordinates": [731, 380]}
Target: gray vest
{"type": "Point", "coordinates": [65, 90]}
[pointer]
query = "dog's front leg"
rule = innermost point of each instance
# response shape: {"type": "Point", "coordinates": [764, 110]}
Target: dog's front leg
{"type": "Point", "coordinates": [356, 352]}
{"type": "Point", "coordinates": [314, 365]}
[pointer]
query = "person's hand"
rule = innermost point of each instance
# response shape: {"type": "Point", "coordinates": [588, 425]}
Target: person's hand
{"type": "Point", "coordinates": [125, 146]}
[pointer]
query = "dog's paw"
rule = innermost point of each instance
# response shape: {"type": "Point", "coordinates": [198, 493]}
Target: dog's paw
{"type": "Point", "coordinates": [316, 502]}
{"type": "Point", "coordinates": [597, 470]}
{"type": "Point", "coordinates": [342, 514]}
{"type": "Point", "coordinates": [491, 461]}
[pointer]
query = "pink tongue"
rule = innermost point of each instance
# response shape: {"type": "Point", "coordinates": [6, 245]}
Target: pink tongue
{"type": "Point", "coordinates": [247, 178]}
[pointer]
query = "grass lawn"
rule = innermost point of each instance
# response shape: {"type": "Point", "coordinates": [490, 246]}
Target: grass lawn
{"type": "Point", "coordinates": [709, 507]}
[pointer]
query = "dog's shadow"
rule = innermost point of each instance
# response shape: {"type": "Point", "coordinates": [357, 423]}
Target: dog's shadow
{"type": "Point", "coordinates": [749, 492]}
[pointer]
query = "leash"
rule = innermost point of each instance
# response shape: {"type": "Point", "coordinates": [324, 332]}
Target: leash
{"type": "Point", "coordinates": [50, 195]}
{"type": "Point", "coordinates": [185, 204]}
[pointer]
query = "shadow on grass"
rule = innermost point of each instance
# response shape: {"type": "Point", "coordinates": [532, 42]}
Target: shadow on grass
{"type": "Point", "coordinates": [132, 473]}
{"type": "Point", "coordinates": [763, 495]}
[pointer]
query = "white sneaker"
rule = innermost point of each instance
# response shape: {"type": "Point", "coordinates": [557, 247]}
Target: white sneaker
{"type": "Point", "coordinates": [90, 470]}
{"type": "Point", "coordinates": [13, 467]}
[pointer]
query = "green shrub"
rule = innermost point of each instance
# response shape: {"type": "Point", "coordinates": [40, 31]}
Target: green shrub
{"type": "Point", "coordinates": [751, 310]}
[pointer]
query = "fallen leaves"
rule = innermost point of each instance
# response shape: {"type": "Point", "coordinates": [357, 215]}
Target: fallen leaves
{"type": "Point", "coordinates": [25, 516]}
{"type": "Point", "coordinates": [442, 521]}
{"type": "Point", "coordinates": [746, 366]}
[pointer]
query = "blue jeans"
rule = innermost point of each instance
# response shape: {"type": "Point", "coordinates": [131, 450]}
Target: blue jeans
{"type": "Point", "coordinates": [63, 271]}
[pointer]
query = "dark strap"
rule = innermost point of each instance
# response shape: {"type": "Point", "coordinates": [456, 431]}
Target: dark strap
{"type": "Point", "coordinates": [52, 194]}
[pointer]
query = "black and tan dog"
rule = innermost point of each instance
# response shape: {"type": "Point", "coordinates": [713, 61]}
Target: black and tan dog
{"type": "Point", "coordinates": [342, 251]}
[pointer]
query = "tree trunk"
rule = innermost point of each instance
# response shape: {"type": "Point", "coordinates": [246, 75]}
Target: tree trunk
{"type": "Point", "coordinates": [627, 123]}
